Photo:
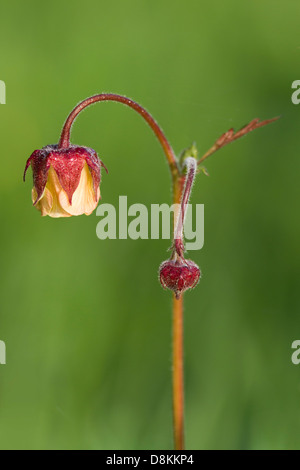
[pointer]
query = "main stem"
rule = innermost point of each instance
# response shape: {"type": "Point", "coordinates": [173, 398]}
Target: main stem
{"type": "Point", "coordinates": [178, 182]}
{"type": "Point", "coordinates": [178, 373]}
{"type": "Point", "coordinates": [177, 360]}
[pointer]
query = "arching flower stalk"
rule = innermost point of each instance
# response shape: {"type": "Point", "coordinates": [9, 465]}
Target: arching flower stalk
{"type": "Point", "coordinates": [66, 182]}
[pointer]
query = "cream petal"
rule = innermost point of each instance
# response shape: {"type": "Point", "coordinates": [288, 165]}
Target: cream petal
{"type": "Point", "coordinates": [49, 202]}
{"type": "Point", "coordinates": [83, 199]}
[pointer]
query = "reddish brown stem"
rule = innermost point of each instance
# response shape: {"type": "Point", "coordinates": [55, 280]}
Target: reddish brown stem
{"type": "Point", "coordinates": [178, 365]}
{"type": "Point", "coordinates": [178, 376]}
{"type": "Point", "coordinates": [177, 192]}
{"type": "Point", "coordinates": [65, 135]}
{"type": "Point", "coordinates": [191, 164]}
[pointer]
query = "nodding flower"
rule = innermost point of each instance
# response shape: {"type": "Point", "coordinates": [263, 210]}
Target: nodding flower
{"type": "Point", "coordinates": [65, 180]}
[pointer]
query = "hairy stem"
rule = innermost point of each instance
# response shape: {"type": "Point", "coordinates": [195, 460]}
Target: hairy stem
{"type": "Point", "coordinates": [178, 375]}
{"type": "Point", "coordinates": [65, 135]}
{"type": "Point", "coordinates": [191, 167]}
{"type": "Point", "coordinates": [178, 182]}
{"type": "Point", "coordinates": [177, 360]}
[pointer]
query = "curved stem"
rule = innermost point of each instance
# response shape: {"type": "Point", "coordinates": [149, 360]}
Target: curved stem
{"type": "Point", "coordinates": [65, 135]}
{"type": "Point", "coordinates": [178, 183]}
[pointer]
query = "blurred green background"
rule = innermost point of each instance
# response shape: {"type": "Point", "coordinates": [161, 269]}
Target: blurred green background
{"type": "Point", "coordinates": [86, 324]}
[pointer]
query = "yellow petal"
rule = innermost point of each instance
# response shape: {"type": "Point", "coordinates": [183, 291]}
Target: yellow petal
{"type": "Point", "coordinates": [49, 202]}
{"type": "Point", "coordinates": [83, 200]}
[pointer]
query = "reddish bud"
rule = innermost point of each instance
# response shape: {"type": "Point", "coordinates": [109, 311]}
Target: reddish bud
{"type": "Point", "coordinates": [179, 275]}
{"type": "Point", "coordinates": [65, 180]}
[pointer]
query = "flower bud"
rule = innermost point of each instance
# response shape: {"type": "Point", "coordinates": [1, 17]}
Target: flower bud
{"type": "Point", "coordinates": [179, 275]}
{"type": "Point", "coordinates": [65, 180]}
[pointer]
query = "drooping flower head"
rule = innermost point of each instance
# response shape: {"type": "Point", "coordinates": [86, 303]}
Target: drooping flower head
{"type": "Point", "coordinates": [65, 180]}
